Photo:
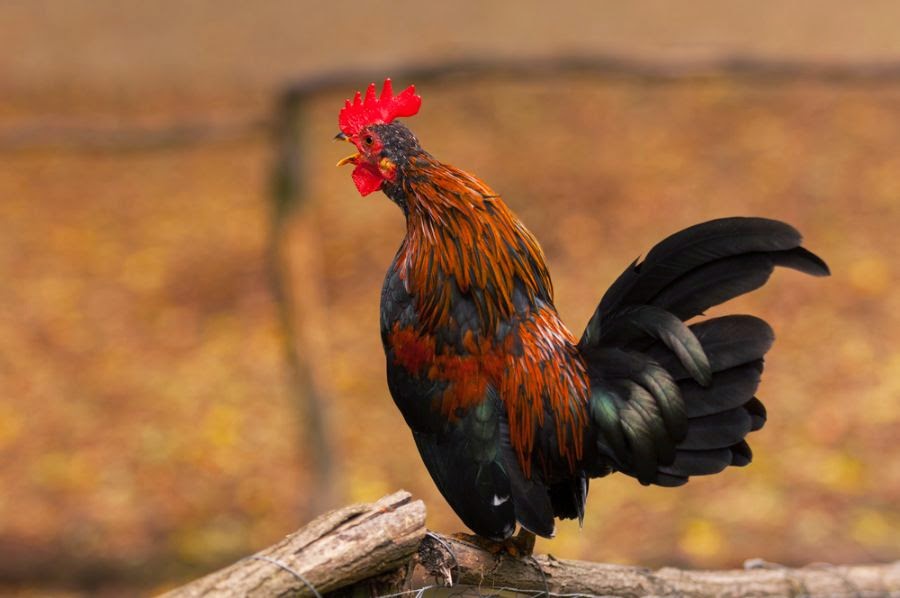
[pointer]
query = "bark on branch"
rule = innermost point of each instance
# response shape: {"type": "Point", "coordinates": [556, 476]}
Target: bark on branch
{"type": "Point", "coordinates": [371, 550]}
{"type": "Point", "coordinates": [471, 565]}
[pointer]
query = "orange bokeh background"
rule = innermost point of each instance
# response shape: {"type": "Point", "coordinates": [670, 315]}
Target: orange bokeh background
{"type": "Point", "coordinates": [146, 428]}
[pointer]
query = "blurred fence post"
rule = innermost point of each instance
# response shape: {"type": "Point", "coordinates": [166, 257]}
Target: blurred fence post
{"type": "Point", "coordinates": [287, 193]}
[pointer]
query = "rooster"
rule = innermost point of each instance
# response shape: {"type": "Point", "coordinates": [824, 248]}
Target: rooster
{"type": "Point", "coordinates": [511, 413]}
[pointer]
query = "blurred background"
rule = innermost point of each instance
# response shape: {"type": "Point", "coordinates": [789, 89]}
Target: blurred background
{"type": "Point", "coordinates": [190, 362]}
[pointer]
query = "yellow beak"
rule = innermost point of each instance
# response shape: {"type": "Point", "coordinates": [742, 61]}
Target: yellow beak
{"type": "Point", "coordinates": [351, 159]}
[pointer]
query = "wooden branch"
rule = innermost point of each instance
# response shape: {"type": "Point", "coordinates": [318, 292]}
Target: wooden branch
{"type": "Point", "coordinates": [368, 550]}
{"type": "Point", "coordinates": [335, 550]}
{"type": "Point", "coordinates": [471, 565]}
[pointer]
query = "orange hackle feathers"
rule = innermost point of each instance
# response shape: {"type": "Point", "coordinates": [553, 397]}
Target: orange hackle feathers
{"type": "Point", "coordinates": [459, 228]}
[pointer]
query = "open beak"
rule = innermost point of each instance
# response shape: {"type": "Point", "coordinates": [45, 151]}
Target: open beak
{"type": "Point", "coordinates": [351, 159]}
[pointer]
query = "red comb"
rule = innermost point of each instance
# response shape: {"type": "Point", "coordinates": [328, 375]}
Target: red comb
{"type": "Point", "coordinates": [372, 110]}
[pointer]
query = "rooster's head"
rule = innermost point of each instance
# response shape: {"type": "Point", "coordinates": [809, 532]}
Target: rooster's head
{"type": "Point", "coordinates": [382, 144]}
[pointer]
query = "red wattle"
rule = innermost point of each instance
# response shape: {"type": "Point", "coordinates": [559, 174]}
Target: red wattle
{"type": "Point", "coordinates": [367, 179]}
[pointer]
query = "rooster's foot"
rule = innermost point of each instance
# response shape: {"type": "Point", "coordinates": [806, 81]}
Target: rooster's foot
{"type": "Point", "coordinates": [519, 546]}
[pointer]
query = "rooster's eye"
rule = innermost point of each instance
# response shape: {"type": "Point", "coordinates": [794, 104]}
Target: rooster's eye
{"type": "Point", "coordinates": [368, 140]}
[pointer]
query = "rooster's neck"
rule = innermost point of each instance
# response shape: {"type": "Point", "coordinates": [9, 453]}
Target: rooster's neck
{"type": "Point", "coordinates": [464, 244]}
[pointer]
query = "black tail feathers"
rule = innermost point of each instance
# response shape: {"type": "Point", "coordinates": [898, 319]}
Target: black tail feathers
{"type": "Point", "coordinates": [669, 400]}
